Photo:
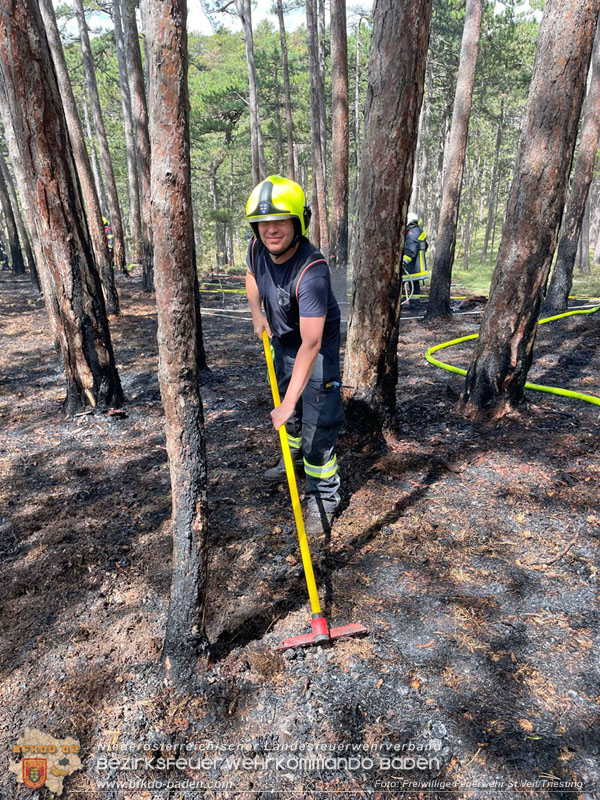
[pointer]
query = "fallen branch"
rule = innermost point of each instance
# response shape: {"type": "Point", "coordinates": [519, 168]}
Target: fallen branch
{"type": "Point", "coordinates": [556, 558]}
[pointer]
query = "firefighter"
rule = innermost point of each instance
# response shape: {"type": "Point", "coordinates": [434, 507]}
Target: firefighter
{"type": "Point", "coordinates": [415, 245]}
{"type": "Point", "coordinates": [291, 278]}
{"type": "Point", "coordinates": [110, 239]}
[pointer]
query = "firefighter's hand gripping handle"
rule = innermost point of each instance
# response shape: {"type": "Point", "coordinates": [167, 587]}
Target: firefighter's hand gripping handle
{"type": "Point", "coordinates": [291, 477]}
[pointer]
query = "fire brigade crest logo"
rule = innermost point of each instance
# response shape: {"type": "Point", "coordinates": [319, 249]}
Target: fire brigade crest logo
{"type": "Point", "coordinates": [263, 208]}
{"type": "Point", "coordinates": [45, 761]}
{"type": "Point", "coordinates": [35, 772]}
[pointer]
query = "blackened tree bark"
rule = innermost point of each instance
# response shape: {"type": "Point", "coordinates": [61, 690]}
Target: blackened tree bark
{"type": "Point", "coordinates": [454, 159]}
{"type": "Point", "coordinates": [319, 194]}
{"type": "Point", "coordinates": [135, 214]}
{"type": "Point", "coordinates": [393, 105]}
{"type": "Point", "coordinates": [338, 254]}
{"type": "Point", "coordinates": [82, 161]}
{"type": "Point", "coordinates": [244, 11]}
{"type": "Point", "coordinates": [23, 236]}
{"type": "Point", "coordinates": [30, 105]}
{"type": "Point", "coordinates": [174, 277]}
{"type": "Point", "coordinates": [289, 125]}
{"type": "Point", "coordinates": [109, 176]}
{"type": "Point", "coordinates": [14, 246]}
{"type": "Point", "coordinates": [557, 297]}
{"type": "Point", "coordinates": [496, 377]}
{"type": "Point", "coordinates": [139, 108]}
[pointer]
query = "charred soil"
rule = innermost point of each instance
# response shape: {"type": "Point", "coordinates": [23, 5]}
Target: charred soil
{"type": "Point", "coordinates": [470, 552]}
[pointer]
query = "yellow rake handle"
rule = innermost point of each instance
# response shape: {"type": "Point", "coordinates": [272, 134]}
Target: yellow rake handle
{"type": "Point", "coordinates": [291, 477]}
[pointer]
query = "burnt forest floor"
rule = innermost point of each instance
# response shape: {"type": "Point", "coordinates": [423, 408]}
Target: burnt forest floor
{"type": "Point", "coordinates": [470, 552]}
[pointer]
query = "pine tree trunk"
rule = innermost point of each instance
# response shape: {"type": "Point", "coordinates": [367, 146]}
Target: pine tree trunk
{"type": "Point", "coordinates": [595, 210]}
{"type": "Point", "coordinates": [82, 161]}
{"type": "Point", "coordinates": [466, 242]}
{"type": "Point", "coordinates": [201, 360]}
{"type": "Point", "coordinates": [319, 198]}
{"type": "Point", "coordinates": [479, 217]}
{"type": "Point", "coordinates": [584, 241]}
{"type": "Point", "coordinates": [111, 186]}
{"type": "Point", "coordinates": [135, 215]}
{"type": "Point", "coordinates": [470, 215]}
{"type": "Point", "coordinates": [259, 172]}
{"type": "Point", "coordinates": [289, 127]}
{"type": "Point", "coordinates": [320, 36]}
{"type": "Point", "coordinates": [419, 198]}
{"type": "Point", "coordinates": [3, 250]}
{"type": "Point", "coordinates": [14, 246]}
{"type": "Point", "coordinates": [48, 289]}
{"type": "Point", "coordinates": [30, 104]}
{"type": "Point", "coordinates": [557, 298]}
{"type": "Point", "coordinates": [357, 126]}
{"type": "Point", "coordinates": [579, 259]}
{"type": "Point", "coordinates": [220, 240]}
{"type": "Point", "coordinates": [394, 99]}
{"type": "Point", "coordinates": [175, 279]}
{"type": "Point", "coordinates": [493, 194]}
{"type": "Point", "coordinates": [454, 159]}
{"type": "Point", "coordinates": [338, 256]}
{"type": "Point", "coordinates": [139, 110]}
{"type": "Point", "coordinates": [503, 354]}
{"type": "Point", "coordinates": [439, 175]}
{"type": "Point", "coordinates": [315, 234]}
{"type": "Point", "coordinates": [31, 265]}
{"type": "Point", "coordinates": [357, 104]}
{"type": "Point", "coordinates": [278, 126]}
{"type": "Point", "coordinates": [144, 20]}
{"type": "Point", "coordinates": [597, 237]}
{"type": "Point", "coordinates": [101, 191]}
{"type": "Point", "coordinates": [230, 208]}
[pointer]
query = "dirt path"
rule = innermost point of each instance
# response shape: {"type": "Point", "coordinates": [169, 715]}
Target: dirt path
{"type": "Point", "coordinates": [470, 553]}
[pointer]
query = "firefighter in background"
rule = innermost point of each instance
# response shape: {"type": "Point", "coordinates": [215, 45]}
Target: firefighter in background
{"type": "Point", "coordinates": [415, 245]}
{"type": "Point", "coordinates": [289, 275]}
{"type": "Point", "coordinates": [108, 233]}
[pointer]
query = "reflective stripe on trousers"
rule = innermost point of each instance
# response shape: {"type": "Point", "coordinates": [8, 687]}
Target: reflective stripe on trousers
{"type": "Point", "coordinates": [314, 426]}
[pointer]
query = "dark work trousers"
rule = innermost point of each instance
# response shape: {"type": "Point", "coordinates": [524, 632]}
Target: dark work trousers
{"type": "Point", "coordinates": [313, 428]}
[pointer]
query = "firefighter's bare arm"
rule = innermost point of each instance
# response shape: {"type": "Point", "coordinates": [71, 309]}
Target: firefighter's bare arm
{"type": "Point", "coordinates": [311, 332]}
{"type": "Point", "coordinates": [259, 321]}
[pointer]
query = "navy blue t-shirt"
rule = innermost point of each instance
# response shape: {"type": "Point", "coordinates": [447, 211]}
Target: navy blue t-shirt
{"type": "Point", "coordinates": [315, 298]}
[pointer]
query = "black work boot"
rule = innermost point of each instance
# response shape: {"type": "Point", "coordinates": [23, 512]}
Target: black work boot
{"type": "Point", "coordinates": [317, 520]}
{"type": "Point", "coordinates": [277, 473]}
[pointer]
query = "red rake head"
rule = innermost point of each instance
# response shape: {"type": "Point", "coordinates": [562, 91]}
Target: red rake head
{"type": "Point", "coordinates": [322, 634]}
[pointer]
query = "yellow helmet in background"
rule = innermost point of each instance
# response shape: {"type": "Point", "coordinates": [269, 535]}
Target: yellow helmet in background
{"type": "Point", "coordinates": [278, 198]}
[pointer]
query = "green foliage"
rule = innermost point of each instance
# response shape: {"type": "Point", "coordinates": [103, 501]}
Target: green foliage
{"type": "Point", "coordinates": [220, 124]}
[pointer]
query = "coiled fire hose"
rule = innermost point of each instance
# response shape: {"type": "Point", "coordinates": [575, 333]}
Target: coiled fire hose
{"type": "Point", "coordinates": [587, 398]}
